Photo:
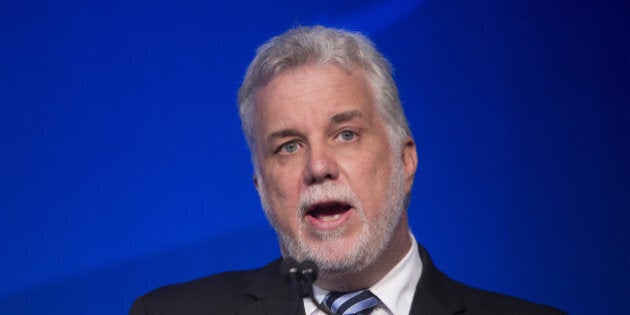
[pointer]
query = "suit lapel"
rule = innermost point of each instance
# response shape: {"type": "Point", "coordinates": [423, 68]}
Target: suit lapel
{"type": "Point", "coordinates": [271, 294]}
{"type": "Point", "coordinates": [435, 294]}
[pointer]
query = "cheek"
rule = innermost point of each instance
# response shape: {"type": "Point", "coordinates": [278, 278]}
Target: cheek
{"type": "Point", "coordinates": [281, 187]}
{"type": "Point", "coordinates": [379, 167]}
{"type": "Point", "coordinates": [276, 206]}
{"type": "Point", "coordinates": [375, 179]}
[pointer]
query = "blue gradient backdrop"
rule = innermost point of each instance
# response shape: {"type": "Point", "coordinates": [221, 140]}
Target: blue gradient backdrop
{"type": "Point", "coordinates": [122, 166]}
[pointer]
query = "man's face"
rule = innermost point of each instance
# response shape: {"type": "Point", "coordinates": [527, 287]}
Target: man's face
{"type": "Point", "coordinates": [329, 179]}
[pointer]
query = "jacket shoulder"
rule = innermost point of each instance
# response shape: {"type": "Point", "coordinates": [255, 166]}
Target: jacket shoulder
{"type": "Point", "coordinates": [220, 293]}
{"type": "Point", "coordinates": [485, 302]}
{"type": "Point", "coordinates": [437, 293]}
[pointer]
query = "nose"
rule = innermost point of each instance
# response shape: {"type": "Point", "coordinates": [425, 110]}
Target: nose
{"type": "Point", "coordinates": [320, 165]}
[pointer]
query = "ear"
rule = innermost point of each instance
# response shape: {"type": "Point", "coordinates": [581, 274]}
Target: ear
{"type": "Point", "coordinates": [409, 158]}
{"type": "Point", "coordinates": [255, 180]}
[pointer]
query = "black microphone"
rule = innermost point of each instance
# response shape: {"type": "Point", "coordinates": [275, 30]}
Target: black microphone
{"type": "Point", "coordinates": [308, 272]}
{"type": "Point", "coordinates": [301, 277]}
{"type": "Point", "coordinates": [290, 270]}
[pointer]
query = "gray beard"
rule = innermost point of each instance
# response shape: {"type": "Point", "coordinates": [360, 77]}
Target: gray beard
{"type": "Point", "coordinates": [374, 239]}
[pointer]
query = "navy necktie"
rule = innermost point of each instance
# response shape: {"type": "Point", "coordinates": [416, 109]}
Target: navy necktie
{"type": "Point", "coordinates": [351, 303]}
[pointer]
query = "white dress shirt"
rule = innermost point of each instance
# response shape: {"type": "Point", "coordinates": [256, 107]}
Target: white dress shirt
{"type": "Point", "coordinates": [396, 289]}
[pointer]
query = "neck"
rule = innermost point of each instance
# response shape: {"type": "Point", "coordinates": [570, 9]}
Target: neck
{"type": "Point", "coordinates": [364, 278]}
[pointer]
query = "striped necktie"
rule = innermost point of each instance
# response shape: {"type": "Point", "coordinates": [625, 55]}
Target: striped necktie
{"type": "Point", "coordinates": [351, 303]}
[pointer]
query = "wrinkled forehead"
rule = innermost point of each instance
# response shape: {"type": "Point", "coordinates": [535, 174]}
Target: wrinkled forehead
{"type": "Point", "coordinates": [325, 89]}
{"type": "Point", "coordinates": [267, 77]}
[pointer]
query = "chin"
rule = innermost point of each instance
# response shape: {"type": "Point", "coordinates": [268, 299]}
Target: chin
{"type": "Point", "coordinates": [341, 256]}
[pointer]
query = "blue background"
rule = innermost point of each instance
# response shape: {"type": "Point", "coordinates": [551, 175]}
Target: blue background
{"type": "Point", "coordinates": [122, 165]}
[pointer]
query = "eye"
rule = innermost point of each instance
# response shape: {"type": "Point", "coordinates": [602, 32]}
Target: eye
{"type": "Point", "coordinates": [289, 147]}
{"type": "Point", "coordinates": [347, 135]}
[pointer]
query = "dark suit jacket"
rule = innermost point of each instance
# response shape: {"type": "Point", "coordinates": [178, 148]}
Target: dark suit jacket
{"type": "Point", "coordinates": [264, 291]}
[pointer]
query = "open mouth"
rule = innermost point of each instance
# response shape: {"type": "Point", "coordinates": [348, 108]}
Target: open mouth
{"type": "Point", "coordinates": [328, 211]}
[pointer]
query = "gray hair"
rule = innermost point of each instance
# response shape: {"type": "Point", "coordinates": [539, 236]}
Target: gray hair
{"type": "Point", "coordinates": [320, 45]}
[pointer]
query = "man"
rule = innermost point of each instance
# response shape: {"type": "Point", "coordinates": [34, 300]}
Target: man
{"type": "Point", "coordinates": [334, 163]}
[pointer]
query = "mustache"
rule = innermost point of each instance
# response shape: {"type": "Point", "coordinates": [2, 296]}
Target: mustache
{"type": "Point", "coordinates": [326, 192]}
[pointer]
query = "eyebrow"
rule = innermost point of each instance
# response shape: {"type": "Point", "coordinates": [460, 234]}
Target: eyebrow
{"type": "Point", "coordinates": [284, 133]}
{"type": "Point", "coordinates": [345, 116]}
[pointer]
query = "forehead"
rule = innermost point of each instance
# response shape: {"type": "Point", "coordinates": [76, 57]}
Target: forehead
{"type": "Point", "coordinates": [310, 92]}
